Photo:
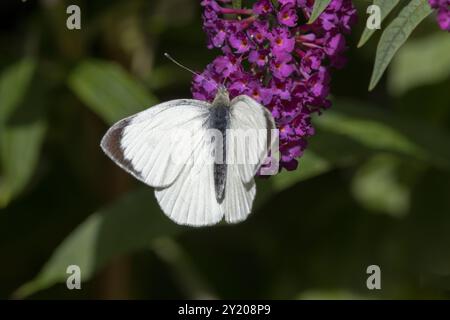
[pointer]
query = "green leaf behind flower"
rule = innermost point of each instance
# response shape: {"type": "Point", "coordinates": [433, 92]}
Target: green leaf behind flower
{"type": "Point", "coordinates": [109, 90]}
{"type": "Point", "coordinates": [420, 62]}
{"type": "Point", "coordinates": [396, 34]}
{"type": "Point", "coordinates": [19, 142]}
{"type": "Point", "coordinates": [19, 152]}
{"type": "Point", "coordinates": [319, 7]}
{"type": "Point", "coordinates": [310, 165]}
{"type": "Point", "coordinates": [386, 7]}
{"type": "Point", "coordinates": [237, 4]}
{"type": "Point", "coordinates": [378, 185]}
{"type": "Point", "coordinates": [381, 130]}
{"type": "Point", "coordinates": [14, 83]}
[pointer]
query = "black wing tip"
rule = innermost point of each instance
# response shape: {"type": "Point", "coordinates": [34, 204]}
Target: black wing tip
{"type": "Point", "coordinates": [112, 147]}
{"type": "Point", "coordinates": [111, 143]}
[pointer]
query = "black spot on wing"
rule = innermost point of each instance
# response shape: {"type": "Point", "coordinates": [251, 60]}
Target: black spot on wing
{"type": "Point", "coordinates": [111, 145]}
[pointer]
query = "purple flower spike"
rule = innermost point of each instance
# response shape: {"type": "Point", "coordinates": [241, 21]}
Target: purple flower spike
{"type": "Point", "coordinates": [443, 13]}
{"type": "Point", "coordinates": [278, 61]}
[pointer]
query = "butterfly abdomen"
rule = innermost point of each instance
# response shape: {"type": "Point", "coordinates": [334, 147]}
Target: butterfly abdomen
{"type": "Point", "coordinates": [219, 119]}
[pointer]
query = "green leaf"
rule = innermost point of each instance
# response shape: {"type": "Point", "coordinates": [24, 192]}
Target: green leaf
{"type": "Point", "coordinates": [237, 4]}
{"type": "Point", "coordinates": [386, 7]}
{"type": "Point", "coordinates": [396, 34]}
{"type": "Point", "coordinates": [19, 153]}
{"type": "Point", "coordinates": [377, 186]}
{"type": "Point", "coordinates": [326, 151]}
{"type": "Point", "coordinates": [420, 62]}
{"type": "Point", "coordinates": [310, 165]}
{"type": "Point", "coordinates": [132, 223]}
{"type": "Point", "coordinates": [337, 149]}
{"type": "Point", "coordinates": [109, 90]}
{"type": "Point", "coordinates": [14, 83]}
{"type": "Point", "coordinates": [351, 132]}
{"type": "Point", "coordinates": [380, 130]}
{"type": "Point", "coordinates": [369, 132]}
{"type": "Point", "coordinates": [19, 142]}
{"type": "Point", "coordinates": [319, 7]}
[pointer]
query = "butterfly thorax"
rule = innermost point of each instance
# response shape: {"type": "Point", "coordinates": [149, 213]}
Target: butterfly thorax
{"type": "Point", "coordinates": [222, 97]}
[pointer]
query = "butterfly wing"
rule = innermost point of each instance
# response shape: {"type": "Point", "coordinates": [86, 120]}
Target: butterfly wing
{"type": "Point", "coordinates": [191, 199]}
{"type": "Point", "coordinates": [167, 147]}
{"type": "Point", "coordinates": [250, 126]}
{"type": "Point", "coordinates": [155, 144]}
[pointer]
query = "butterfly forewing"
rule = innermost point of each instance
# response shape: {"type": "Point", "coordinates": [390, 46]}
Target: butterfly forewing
{"type": "Point", "coordinates": [155, 144]}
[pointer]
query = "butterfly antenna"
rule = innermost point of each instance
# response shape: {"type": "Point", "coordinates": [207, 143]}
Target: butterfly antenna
{"type": "Point", "coordinates": [188, 69]}
{"type": "Point", "coordinates": [180, 65]}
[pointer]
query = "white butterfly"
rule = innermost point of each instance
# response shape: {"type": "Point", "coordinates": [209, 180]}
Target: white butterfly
{"type": "Point", "coordinates": [170, 147]}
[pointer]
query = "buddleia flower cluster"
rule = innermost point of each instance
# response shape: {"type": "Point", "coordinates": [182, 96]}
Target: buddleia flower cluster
{"type": "Point", "coordinates": [443, 13]}
{"type": "Point", "coordinates": [271, 53]}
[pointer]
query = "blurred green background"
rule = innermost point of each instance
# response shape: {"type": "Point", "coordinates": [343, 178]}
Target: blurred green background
{"type": "Point", "coordinates": [373, 187]}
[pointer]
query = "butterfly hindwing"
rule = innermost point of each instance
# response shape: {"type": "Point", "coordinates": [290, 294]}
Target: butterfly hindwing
{"type": "Point", "coordinates": [191, 199]}
{"type": "Point", "coordinates": [248, 144]}
{"type": "Point", "coordinates": [250, 129]}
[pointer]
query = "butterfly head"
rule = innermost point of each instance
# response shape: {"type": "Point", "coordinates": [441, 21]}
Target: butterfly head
{"type": "Point", "coordinates": [222, 96]}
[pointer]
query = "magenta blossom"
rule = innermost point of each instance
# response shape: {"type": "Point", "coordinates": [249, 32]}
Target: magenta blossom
{"type": "Point", "coordinates": [287, 15]}
{"type": "Point", "coordinates": [271, 54]}
{"type": "Point", "coordinates": [443, 13]}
